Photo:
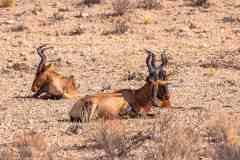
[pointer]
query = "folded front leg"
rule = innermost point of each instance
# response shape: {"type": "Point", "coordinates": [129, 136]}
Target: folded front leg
{"type": "Point", "coordinates": [42, 90]}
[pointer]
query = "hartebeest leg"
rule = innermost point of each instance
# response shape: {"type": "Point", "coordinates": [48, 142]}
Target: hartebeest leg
{"type": "Point", "coordinates": [43, 89]}
{"type": "Point", "coordinates": [129, 111]}
{"type": "Point", "coordinates": [93, 110]}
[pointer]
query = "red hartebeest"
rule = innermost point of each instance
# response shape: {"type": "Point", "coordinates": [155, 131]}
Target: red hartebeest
{"type": "Point", "coordinates": [48, 81]}
{"type": "Point", "coordinates": [107, 105]}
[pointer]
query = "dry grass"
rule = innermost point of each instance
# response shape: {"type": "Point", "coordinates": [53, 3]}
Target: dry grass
{"type": "Point", "coordinates": [199, 2]}
{"type": "Point", "coordinates": [112, 139]}
{"type": "Point", "coordinates": [120, 27]}
{"type": "Point", "coordinates": [173, 140]}
{"type": "Point", "coordinates": [149, 4]}
{"type": "Point", "coordinates": [224, 136]}
{"type": "Point", "coordinates": [29, 145]}
{"type": "Point", "coordinates": [7, 3]}
{"type": "Point", "coordinates": [226, 60]}
{"type": "Point", "coordinates": [120, 7]}
{"type": "Point", "coordinates": [165, 139]}
{"type": "Point", "coordinates": [91, 2]}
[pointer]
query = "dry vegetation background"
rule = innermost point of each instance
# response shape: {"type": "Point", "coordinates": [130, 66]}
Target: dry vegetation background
{"type": "Point", "coordinates": [102, 44]}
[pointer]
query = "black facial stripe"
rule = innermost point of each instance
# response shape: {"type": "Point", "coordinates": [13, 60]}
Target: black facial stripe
{"type": "Point", "coordinates": [163, 92]}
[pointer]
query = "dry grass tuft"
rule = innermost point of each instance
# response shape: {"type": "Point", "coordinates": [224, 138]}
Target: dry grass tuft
{"type": "Point", "coordinates": [91, 2]}
{"type": "Point", "coordinates": [149, 4]}
{"type": "Point", "coordinates": [224, 136]}
{"type": "Point", "coordinates": [120, 27]}
{"type": "Point", "coordinates": [201, 3]}
{"type": "Point", "coordinates": [29, 145]}
{"type": "Point", "coordinates": [116, 142]}
{"type": "Point", "coordinates": [165, 139]}
{"type": "Point", "coordinates": [226, 60]}
{"type": "Point", "coordinates": [76, 31]}
{"type": "Point", "coordinates": [7, 3]}
{"type": "Point", "coordinates": [111, 138]}
{"type": "Point", "coordinates": [120, 7]}
{"type": "Point", "coordinates": [173, 140]}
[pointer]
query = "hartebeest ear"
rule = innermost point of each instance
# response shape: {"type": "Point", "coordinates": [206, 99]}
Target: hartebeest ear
{"type": "Point", "coordinates": [150, 61]}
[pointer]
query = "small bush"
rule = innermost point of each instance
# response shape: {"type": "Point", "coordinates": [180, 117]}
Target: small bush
{"type": "Point", "coordinates": [116, 142]}
{"type": "Point", "coordinates": [149, 4]}
{"type": "Point", "coordinates": [7, 3]}
{"type": "Point", "coordinates": [173, 140]}
{"type": "Point", "coordinates": [120, 27]}
{"type": "Point", "coordinates": [91, 2]}
{"type": "Point", "coordinates": [199, 2]}
{"type": "Point", "coordinates": [224, 136]}
{"type": "Point", "coordinates": [76, 31]}
{"type": "Point", "coordinates": [29, 146]}
{"type": "Point", "coordinates": [120, 6]}
{"type": "Point", "coordinates": [26, 146]}
{"type": "Point", "coordinates": [111, 138]}
{"type": "Point", "coordinates": [165, 139]}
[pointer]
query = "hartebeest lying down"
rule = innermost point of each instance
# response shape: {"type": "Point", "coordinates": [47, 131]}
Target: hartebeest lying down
{"type": "Point", "coordinates": [110, 105]}
{"type": "Point", "coordinates": [48, 81]}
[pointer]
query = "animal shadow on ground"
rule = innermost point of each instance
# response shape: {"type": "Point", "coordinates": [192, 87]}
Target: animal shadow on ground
{"type": "Point", "coordinates": [45, 97]}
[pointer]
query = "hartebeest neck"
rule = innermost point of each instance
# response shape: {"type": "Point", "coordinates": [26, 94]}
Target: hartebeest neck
{"type": "Point", "coordinates": [144, 96]}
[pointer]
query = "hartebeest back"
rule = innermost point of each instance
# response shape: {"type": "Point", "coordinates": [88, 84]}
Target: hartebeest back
{"type": "Point", "coordinates": [48, 81]}
{"type": "Point", "coordinates": [114, 104]}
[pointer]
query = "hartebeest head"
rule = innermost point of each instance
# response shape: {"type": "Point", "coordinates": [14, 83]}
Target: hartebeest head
{"type": "Point", "coordinates": [39, 78]}
{"type": "Point", "coordinates": [158, 77]}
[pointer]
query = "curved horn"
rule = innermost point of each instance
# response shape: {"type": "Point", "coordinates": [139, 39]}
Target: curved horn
{"type": "Point", "coordinates": [40, 51]}
{"type": "Point", "coordinates": [150, 61]}
{"type": "Point", "coordinates": [164, 59]}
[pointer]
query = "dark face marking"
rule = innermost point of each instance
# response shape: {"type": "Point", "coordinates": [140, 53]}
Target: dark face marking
{"type": "Point", "coordinates": [163, 92]}
{"type": "Point", "coordinates": [157, 74]}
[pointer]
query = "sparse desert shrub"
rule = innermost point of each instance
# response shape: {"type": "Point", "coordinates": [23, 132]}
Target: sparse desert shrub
{"type": "Point", "coordinates": [90, 2]}
{"type": "Point", "coordinates": [226, 59]}
{"type": "Point", "coordinates": [200, 2]}
{"type": "Point", "coordinates": [120, 27]}
{"type": "Point", "coordinates": [26, 146]}
{"type": "Point", "coordinates": [224, 135]}
{"type": "Point", "coordinates": [116, 142]}
{"type": "Point", "coordinates": [165, 139]}
{"type": "Point", "coordinates": [29, 146]}
{"type": "Point", "coordinates": [76, 31]}
{"type": "Point", "coordinates": [120, 6]}
{"type": "Point", "coordinates": [111, 138]}
{"type": "Point", "coordinates": [18, 28]}
{"type": "Point", "coordinates": [149, 4]}
{"type": "Point", "coordinates": [173, 140]}
{"type": "Point", "coordinates": [7, 3]}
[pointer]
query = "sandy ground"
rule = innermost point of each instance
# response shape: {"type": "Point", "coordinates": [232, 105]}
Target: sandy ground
{"type": "Point", "coordinates": [202, 45]}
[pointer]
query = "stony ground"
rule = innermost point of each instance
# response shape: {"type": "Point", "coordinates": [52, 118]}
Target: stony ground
{"type": "Point", "coordinates": [202, 45]}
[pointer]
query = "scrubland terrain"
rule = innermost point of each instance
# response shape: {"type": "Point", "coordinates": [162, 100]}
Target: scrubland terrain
{"type": "Point", "coordinates": [104, 49]}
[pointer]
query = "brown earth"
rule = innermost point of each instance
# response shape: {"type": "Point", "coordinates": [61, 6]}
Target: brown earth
{"type": "Point", "coordinates": [203, 46]}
